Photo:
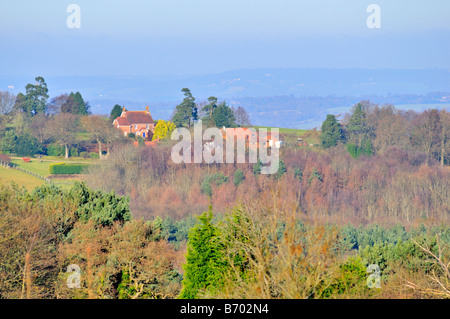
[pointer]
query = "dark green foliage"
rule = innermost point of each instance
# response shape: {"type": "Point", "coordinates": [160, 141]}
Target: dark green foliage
{"type": "Point", "coordinates": [216, 178]}
{"type": "Point", "coordinates": [352, 150]}
{"type": "Point", "coordinates": [55, 150]}
{"type": "Point", "coordinates": [116, 112]}
{"type": "Point", "coordinates": [223, 115]}
{"type": "Point", "coordinates": [351, 279]}
{"type": "Point", "coordinates": [360, 133]}
{"type": "Point", "coordinates": [175, 231]}
{"type": "Point", "coordinates": [35, 99]}
{"type": "Point", "coordinates": [257, 167]}
{"type": "Point", "coordinates": [186, 112]}
{"type": "Point", "coordinates": [67, 168]}
{"type": "Point", "coordinates": [391, 247]}
{"type": "Point", "coordinates": [75, 105]}
{"type": "Point", "coordinates": [331, 132]}
{"type": "Point", "coordinates": [74, 152]}
{"type": "Point", "coordinates": [131, 135]}
{"type": "Point", "coordinates": [238, 177]}
{"type": "Point", "coordinates": [8, 142]}
{"type": "Point", "coordinates": [205, 261]}
{"type": "Point", "coordinates": [103, 208]}
{"type": "Point", "coordinates": [357, 124]}
{"type": "Point", "coordinates": [27, 145]}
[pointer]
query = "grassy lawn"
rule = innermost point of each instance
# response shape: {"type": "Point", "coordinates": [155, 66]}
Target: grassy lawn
{"type": "Point", "coordinates": [286, 131]}
{"type": "Point", "coordinates": [291, 134]}
{"type": "Point", "coordinates": [41, 168]}
{"type": "Point", "coordinates": [8, 175]}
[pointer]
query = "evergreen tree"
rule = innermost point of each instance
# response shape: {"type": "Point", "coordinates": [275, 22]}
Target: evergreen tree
{"type": "Point", "coordinates": [8, 142]}
{"type": "Point", "coordinates": [205, 261]}
{"type": "Point", "coordinates": [360, 132]}
{"type": "Point", "coordinates": [209, 109]}
{"type": "Point", "coordinates": [115, 112]}
{"type": "Point", "coordinates": [75, 105]}
{"type": "Point", "coordinates": [238, 177]}
{"type": "Point", "coordinates": [331, 132]}
{"type": "Point", "coordinates": [223, 115]}
{"type": "Point", "coordinates": [27, 145]}
{"type": "Point", "coordinates": [186, 112]}
{"type": "Point", "coordinates": [35, 99]}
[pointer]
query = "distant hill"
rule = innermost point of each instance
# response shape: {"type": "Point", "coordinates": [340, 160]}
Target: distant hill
{"type": "Point", "coordinates": [296, 98]}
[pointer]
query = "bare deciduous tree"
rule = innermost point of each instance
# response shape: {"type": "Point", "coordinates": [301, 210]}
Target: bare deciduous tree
{"type": "Point", "coordinates": [7, 100]}
{"type": "Point", "coordinates": [63, 128]}
{"type": "Point", "coordinates": [242, 117]}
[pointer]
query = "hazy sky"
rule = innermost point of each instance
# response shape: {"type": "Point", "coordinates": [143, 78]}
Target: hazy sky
{"type": "Point", "coordinates": [137, 37]}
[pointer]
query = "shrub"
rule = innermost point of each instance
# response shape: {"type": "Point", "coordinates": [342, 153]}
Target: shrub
{"type": "Point", "coordinates": [84, 154]}
{"type": "Point", "coordinates": [94, 155]}
{"type": "Point", "coordinates": [55, 150]}
{"type": "Point", "coordinates": [238, 177]}
{"type": "Point", "coordinates": [218, 178]}
{"type": "Point", "coordinates": [27, 145]}
{"type": "Point", "coordinates": [74, 152]}
{"type": "Point", "coordinates": [64, 168]}
{"type": "Point", "coordinates": [352, 150]}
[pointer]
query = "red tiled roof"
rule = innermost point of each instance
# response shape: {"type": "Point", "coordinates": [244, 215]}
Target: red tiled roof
{"type": "Point", "coordinates": [122, 121]}
{"type": "Point", "coordinates": [139, 117]}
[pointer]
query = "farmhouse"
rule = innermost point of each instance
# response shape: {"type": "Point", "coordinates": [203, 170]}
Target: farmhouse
{"type": "Point", "coordinates": [138, 122]}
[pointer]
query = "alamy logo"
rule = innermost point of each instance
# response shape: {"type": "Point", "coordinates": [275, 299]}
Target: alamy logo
{"type": "Point", "coordinates": [374, 280]}
{"type": "Point", "coordinates": [74, 280]}
{"type": "Point", "coordinates": [374, 19]}
{"type": "Point", "coordinates": [207, 146]}
{"type": "Point", "coordinates": [74, 19]}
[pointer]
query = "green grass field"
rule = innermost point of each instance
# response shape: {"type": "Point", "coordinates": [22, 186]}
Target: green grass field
{"type": "Point", "coordinates": [291, 135]}
{"type": "Point", "coordinates": [8, 175]}
{"type": "Point", "coordinates": [41, 168]}
{"type": "Point", "coordinates": [286, 131]}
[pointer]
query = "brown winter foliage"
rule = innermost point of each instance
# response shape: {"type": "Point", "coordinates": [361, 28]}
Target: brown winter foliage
{"type": "Point", "coordinates": [393, 185]}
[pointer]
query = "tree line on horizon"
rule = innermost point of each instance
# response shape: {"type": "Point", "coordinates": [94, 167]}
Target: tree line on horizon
{"type": "Point", "coordinates": [370, 128]}
{"type": "Point", "coordinates": [30, 124]}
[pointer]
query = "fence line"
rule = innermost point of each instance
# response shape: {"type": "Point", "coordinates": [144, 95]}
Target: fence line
{"type": "Point", "coordinates": [15, 166]}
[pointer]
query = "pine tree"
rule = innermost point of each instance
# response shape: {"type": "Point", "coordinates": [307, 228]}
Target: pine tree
{"type": "Point", "coordinates": [223, 115]}
{"type": "Point", "coordinates": [360, 132]}
{"type": "Point", "coordinates": [186, 112]}
{"type": "Point", "coordinates": [205, 260]}
{"type": "Point", "coordinates": [331, 132]}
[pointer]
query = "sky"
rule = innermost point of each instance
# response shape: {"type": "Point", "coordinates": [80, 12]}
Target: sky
{"type": "Point", "coordinates": [180, 37]}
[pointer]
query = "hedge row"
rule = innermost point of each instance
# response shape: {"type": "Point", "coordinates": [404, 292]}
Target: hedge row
{"type": "Point", "coordinates": [64, 168]}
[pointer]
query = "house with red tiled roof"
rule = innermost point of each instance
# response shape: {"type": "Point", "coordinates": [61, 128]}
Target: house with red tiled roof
{"type": "Point", "coordinates": [138, 122]}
